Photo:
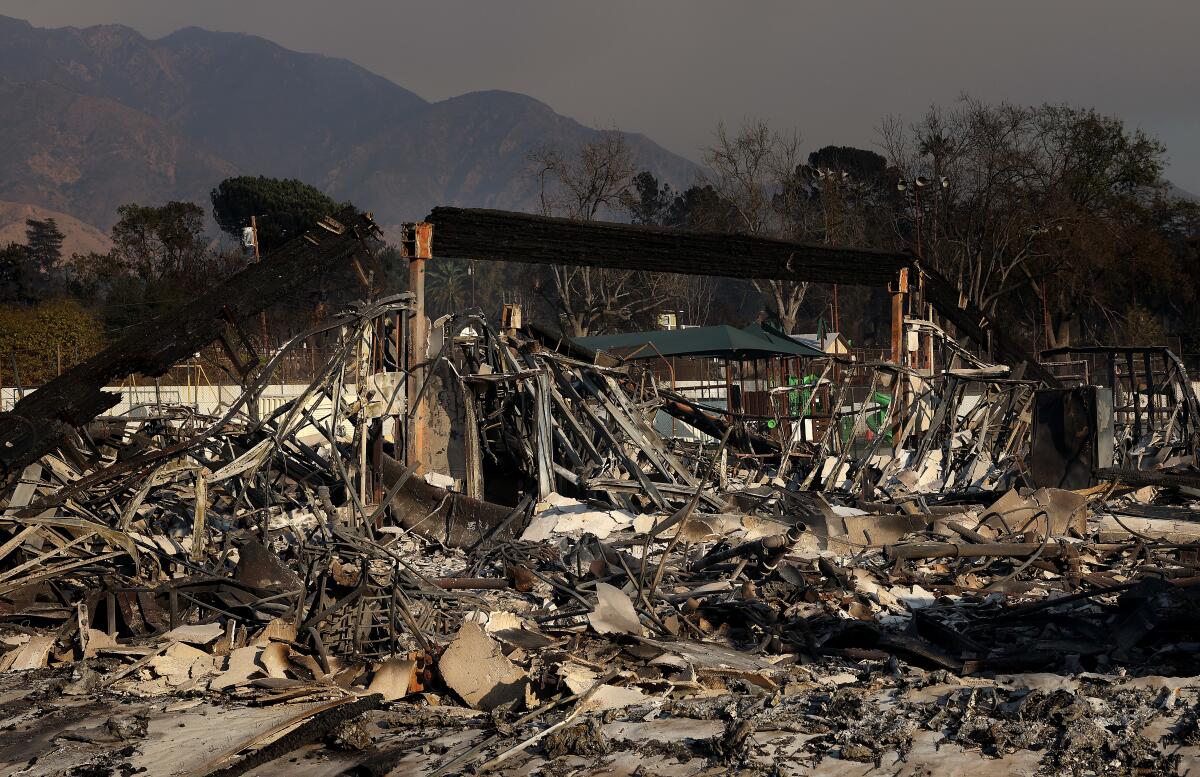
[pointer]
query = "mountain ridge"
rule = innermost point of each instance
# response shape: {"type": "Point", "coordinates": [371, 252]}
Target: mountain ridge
{"type": "Point", "coordinates": [180, 112]}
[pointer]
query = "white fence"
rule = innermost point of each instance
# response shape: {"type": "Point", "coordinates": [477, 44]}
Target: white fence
{"type": "Point", "coordinates": [208, 400]}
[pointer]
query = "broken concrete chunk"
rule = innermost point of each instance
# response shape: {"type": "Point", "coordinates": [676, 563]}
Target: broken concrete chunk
{"type": "Point", "coordinates": [278, 628]}
{"type": "Point", "coordinates": [198, 634]}
{"type": "Point", "coordinates": [558, 514]}
{"type": "Point", "coordinates": [96, 641]}
{"type": "Point", "coordinates": [240, 668]}
{"type": "Point", "coordinates": [180, 663]}
{"type": "Point", "coordinates": [497, 620]}
{"type": "Point", "coordinates": [581, 679]}
{"type": "Point", "coordinates": [475, 668]}
{"type": "Point", "coordinates": [615, 697]}
{"type": "Point", "coordinates": [393, 678]}
{"type": "Point", "coordinates": [614, 613]}
{"type": "Point", "coordinates": [34, 654]}
{"type": "Point", "coordinates": [13, 641]}
{"type": "Point", "coordinates": [274, 658]}
{"type": "Point", "coordinates": [914, 597]}
{"type": "Point", "coordinates": [578, 678]}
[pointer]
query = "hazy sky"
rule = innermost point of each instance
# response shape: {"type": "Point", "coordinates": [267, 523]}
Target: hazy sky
{"type": "Point", "coordinates": [673, 69]}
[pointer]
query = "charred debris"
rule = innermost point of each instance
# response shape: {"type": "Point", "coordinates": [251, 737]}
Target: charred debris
{"type": "Point", "coordinates": [467, 547]}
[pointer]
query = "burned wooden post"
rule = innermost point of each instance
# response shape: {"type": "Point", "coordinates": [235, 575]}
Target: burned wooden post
{"type": "Point", "coordinates": [899, 293]}
{"type": "Point", "coordinates": [898, 290]}
{"type": "Point", "coordinates": [417, 245]}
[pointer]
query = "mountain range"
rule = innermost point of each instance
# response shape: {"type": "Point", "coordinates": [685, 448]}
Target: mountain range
{"type": "Point", "coordinates": [93, 118]}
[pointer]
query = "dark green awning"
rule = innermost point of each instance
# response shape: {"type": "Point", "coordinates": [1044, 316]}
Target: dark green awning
{"type": "Point", "coordinates": [722, 341]}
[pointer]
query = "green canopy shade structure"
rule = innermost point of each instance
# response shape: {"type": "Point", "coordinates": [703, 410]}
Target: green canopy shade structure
{"type": "Point", "coordinates": [723, 341]}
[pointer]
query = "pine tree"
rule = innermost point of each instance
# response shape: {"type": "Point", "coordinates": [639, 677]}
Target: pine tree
{"type": "Point", "coordinates": [43, 241]}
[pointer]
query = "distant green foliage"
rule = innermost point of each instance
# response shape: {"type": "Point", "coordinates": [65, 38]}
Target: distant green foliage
{"type": "Point", "coordinates": [861, 164]}
{"type": "Point", "coordinates": [30, 272]}
{"type": "Point", "coordinates": [448, 285]}
{"type": "Point", "coordinates": [698, 207]}
{"type": "Point", "coordinates": [40, 338]}
{"type": "Point", "coordinates": [14, 282]}
{"type": "Point", "coordinates": [285, 208]}
{"type": "Point", "coordinates": [159, 241]}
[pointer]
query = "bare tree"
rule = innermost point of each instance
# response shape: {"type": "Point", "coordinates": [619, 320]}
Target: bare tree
{"type": "Point", "coordinates": [1040, 202]}
{"type": "Point", "coordinates": [696, 294]}
{"type": "Point", "coordinates": [751, 170]}
{"type": "Point", "coordinates": [594, 180]}
{"type": "Point", "coordinates": [974, 228]}
{"type": "Point", "coordinates": [584, 184]}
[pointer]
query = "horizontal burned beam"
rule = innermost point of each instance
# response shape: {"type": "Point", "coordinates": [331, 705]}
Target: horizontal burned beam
{"type": "Point", "coordinates": [43, 419]}
{"type": "Point", "coordinates": [472, 233]}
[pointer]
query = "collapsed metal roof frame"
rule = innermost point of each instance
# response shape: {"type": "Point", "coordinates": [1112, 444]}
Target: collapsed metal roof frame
{"type": "Point", "coordinates": [42, 420]}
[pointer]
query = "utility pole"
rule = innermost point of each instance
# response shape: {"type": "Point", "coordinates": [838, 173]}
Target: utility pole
{"type": "Point", "coordinates": [258, 259]}
{"type": "Point", "coordinates": [253, 408]}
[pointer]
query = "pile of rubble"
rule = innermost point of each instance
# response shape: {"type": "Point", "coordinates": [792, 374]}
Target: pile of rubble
{"type": "Point", "coordinates": [486, 559]}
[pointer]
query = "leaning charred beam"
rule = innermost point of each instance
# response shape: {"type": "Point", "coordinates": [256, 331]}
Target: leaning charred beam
{"type": "Point", "coordinates": [40, 422]}
{"type": "Point", "coordinates": [683, 409]}
{"type": "Point", "coordinates": [971, 321]}
{"type": "Point", "coordinates": [472, 233]}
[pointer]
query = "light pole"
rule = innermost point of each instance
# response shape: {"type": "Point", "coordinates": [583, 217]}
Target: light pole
{"type": "Point", "coordinates": [833, 178]}
{"type": "Point", "coordinates": [919, 184]}
{"type": "Point", "coordinates": [938, 184]}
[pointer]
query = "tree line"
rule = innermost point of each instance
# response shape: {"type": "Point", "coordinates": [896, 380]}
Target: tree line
{"type": "Point", "coordinates": [56, 310]}
{"type": "Point", "coordinates": [1057, 221]}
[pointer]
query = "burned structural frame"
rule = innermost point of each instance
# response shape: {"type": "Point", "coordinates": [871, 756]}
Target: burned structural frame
{"type": "Point", "coordinates": [494, 235]}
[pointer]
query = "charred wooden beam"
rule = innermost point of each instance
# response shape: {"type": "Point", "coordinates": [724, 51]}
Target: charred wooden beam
{"type": "Point", "coordinates": [474, 233]}
{"type": "Point", "coordinates": [42, 420]}
{"type": "Point", "coordinates": [1160, 479]}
